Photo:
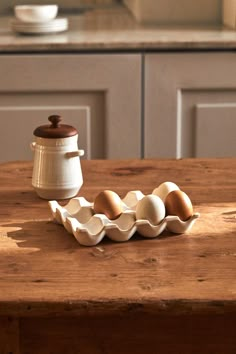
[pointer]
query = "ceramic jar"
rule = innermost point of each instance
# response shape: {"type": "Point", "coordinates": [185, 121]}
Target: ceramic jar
{"type": "Point", "coordinates": [57, 170]}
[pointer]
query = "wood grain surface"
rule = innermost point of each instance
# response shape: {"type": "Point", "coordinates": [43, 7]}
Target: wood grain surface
{"type": "Point", "coordinates": [45, 272]}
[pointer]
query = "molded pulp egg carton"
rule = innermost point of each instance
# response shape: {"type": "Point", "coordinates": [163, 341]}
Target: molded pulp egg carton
{"type": "Point", "coordinates": [89, 229]}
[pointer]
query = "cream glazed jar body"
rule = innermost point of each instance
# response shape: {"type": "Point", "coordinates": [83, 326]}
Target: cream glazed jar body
{"type": "Point", "coordinates": [57, 170]}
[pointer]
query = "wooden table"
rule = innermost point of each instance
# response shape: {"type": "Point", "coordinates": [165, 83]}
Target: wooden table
{"type": "Point", "coordinates": [172, 294]}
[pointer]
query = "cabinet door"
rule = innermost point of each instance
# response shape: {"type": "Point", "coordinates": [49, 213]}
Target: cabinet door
{"type": "Point", "coordinates": [98, 94]}
{"type": "Point", "coordinates": [190, 105]}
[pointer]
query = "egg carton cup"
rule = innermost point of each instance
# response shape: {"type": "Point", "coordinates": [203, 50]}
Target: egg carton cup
{"type": "Point", "coordinates": [78, 218]}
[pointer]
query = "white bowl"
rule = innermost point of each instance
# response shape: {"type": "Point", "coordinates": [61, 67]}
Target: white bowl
{"type": "Point", "coordinates": [35, 13]}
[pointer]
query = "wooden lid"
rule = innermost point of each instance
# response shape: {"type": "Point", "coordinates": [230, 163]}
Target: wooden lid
{"type": "Point", "coordinates": [55, 130]}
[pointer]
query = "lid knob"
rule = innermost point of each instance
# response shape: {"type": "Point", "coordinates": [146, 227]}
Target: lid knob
{"type": "Point", "coordinates": [55, 120]}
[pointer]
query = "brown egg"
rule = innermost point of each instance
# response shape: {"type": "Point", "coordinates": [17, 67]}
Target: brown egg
{"type": "Point", "coordinates": [178, 203]}
{"type": "Point", "coordinates": [108, 203]}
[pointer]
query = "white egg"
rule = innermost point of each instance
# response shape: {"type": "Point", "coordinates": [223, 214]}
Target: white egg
{"type": "Point", "coordinates": [151, 208]}
{"type": "Point", "coordinates": [164, 189]}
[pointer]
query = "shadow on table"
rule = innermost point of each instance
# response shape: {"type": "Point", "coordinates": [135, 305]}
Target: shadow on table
{"type": "Point", "coordinates": [45, 235]}
{"type": "Point", "coordinates": [40, 235]}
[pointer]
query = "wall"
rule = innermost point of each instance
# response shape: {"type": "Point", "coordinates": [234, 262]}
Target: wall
{"type": "Point", "coordinates": [176, 11]}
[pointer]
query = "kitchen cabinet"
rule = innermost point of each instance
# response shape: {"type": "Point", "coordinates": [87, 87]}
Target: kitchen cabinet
{"type": "Point", "coordinates": [190, 104]}
{"type": "Point", "coordinates": [99, 94]}
{"type": "Point", "coordinates": [176, 105]}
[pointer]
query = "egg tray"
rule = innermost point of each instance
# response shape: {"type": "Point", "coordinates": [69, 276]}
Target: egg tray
{"type": "Point", "coordinates": [78, 218]}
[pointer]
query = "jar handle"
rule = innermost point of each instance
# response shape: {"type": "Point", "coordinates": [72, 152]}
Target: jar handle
{"type": "Point", "coordinates": [74, 153]}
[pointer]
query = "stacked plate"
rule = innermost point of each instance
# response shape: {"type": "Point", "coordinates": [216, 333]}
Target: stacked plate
{"type": "Point", "coordinates": [38, 19]}
{"type": "Point", "coordinates": [53, 26]}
